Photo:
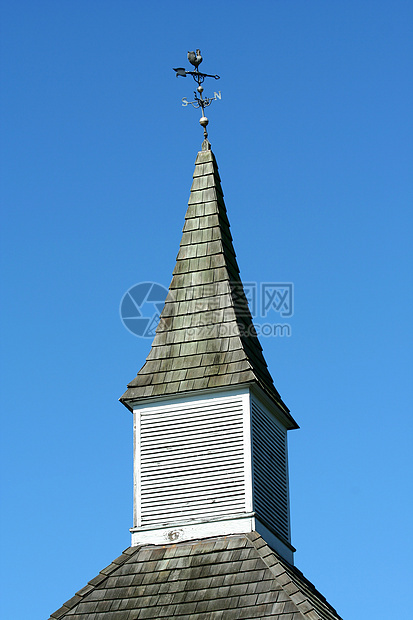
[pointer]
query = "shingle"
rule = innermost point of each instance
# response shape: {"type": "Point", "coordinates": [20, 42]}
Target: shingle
{"type": "Point", "coordinates": [304, 606]}
{"type": "Point", "coordinates": [312, 615]}
{"type": "Point", "coordinates": [203, 181]}
{"type": "Point", "coordinates": [60, 612]}
{"type": "Point", "coordinates": [97, 580]}
{"type": "Point", "coordinates": [267, 597]}
{"type": "Point", "coordinates": [291, 588]}
{"type": "Point", "coordinates": [85, 590]}
{"type": "Point", "coordinates": [192, 224]}
{"type": "Point", "coordinates": [100, 606]}
{"type": "Point", "coordinates": [267, 585]}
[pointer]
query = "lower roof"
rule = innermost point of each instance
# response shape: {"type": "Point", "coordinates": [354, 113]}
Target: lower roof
{"type": "Point", "coordinates": [219, 578]}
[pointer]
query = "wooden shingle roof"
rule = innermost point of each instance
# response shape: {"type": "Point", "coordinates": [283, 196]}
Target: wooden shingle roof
{"type": "Point", "coordinates": [205, 337]}
{"type": "Point", "coordinates": [225, 578]}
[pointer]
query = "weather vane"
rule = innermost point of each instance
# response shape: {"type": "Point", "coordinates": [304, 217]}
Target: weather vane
{"type": "Point", "coordinates": [195, 59]}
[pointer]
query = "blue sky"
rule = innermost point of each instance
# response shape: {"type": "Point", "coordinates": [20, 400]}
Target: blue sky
{"type": "Point", "coordinates": [313, 137]}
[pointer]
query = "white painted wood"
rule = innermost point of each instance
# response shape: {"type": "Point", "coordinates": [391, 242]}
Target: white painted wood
{"type": "Point", "coordinates": [239, 524]}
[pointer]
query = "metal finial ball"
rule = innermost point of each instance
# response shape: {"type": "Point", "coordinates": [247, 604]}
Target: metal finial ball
{"type": "Point", "coordinates": [200, 89]}
{"type": "Point", "coordinates": [203, 121]}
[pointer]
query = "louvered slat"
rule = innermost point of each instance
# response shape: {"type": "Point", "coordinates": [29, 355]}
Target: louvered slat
{"type": "Point", "coordinates": [191, 461]}
{"type": "Point", "coordinates": [270, 480]}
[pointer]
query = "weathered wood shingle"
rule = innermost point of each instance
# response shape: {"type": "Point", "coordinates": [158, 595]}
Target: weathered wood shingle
{"type": "Point", "coordinates": [206, 323]}
{"type": "Point", "coordinates": [211, 579]}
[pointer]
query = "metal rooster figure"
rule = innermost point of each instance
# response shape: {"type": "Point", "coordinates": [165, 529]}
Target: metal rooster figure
{"type": "Point", "coordinates": [195, 59]}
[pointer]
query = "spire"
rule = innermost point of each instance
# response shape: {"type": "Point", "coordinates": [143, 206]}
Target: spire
{"type": "Point", "coordinates": [205, 338]}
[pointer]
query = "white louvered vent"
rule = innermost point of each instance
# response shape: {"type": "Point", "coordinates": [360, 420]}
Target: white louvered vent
{"type": "Point", "coordinates": [270, 477]}
{"type": "Point", "coordinates": [191, 461]}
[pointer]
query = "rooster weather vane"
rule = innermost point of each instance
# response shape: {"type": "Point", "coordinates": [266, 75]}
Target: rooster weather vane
{"type": "Point", "coordinates": [195, 59]}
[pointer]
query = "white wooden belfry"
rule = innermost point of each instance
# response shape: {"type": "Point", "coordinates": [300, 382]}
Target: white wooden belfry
{"type": "Point", "coordinates": [210, 465]}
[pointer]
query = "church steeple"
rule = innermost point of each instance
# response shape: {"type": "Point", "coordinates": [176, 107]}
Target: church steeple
{"type": "Point", "coordinates": [210, 426]}
{"type": "Point", "coordinates": [211, 532]}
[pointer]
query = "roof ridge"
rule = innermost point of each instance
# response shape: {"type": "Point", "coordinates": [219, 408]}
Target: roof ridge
{"type": "Point", "coordinates": [93, 583]}
{"type": "Point", "coordinates": [280, 568]}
